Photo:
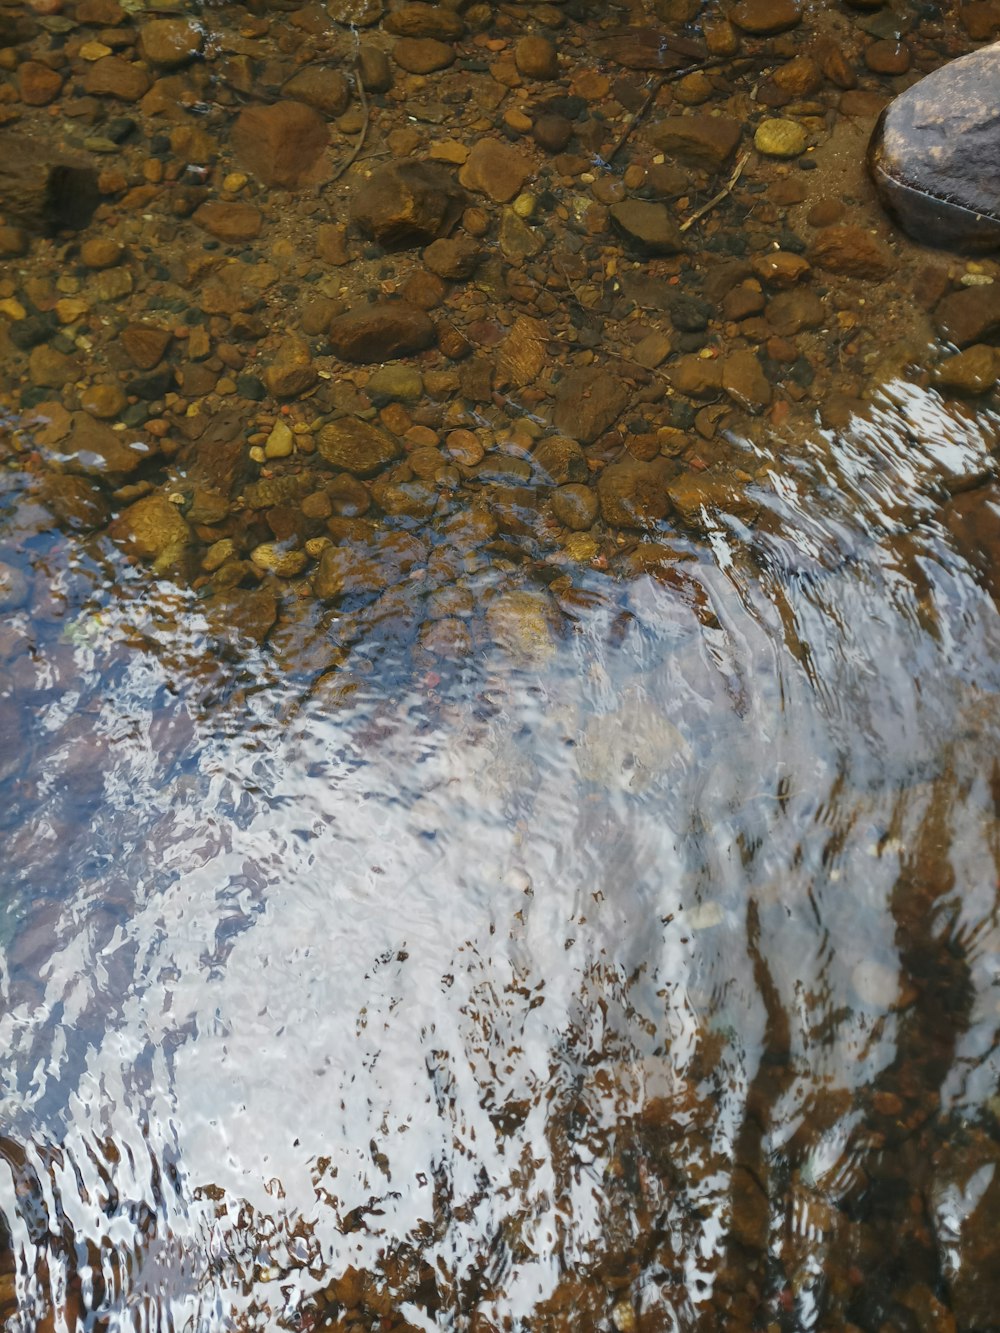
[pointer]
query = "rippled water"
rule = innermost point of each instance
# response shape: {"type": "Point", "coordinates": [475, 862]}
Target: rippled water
{"type": "Point", "coordinates": [649, 984]}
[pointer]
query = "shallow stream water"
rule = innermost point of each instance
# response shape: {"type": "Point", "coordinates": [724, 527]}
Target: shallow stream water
{"type": "Point", "coordinates": [650, 983]}
{"type": "Point", "coordinates": [572, 904]}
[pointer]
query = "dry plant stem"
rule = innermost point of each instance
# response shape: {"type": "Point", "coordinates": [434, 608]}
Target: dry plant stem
{"type": "Point", "coordinates": [650, 98]}
{"type": "Point", "coordinates": [717, 198]}
{"type": "Point", "coordinates": [352, 157]}
{"type": "Point", "coordinates": [655, 87]}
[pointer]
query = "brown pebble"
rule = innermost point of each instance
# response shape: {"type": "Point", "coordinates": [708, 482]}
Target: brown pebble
{"type": "Point", "coordinates": [422, 55]}
{"type": "Point", "coordinates": [14, 242]}
{"type": "Point", "coordinates": [762, 17]}
{"type": "Point", "coordinates": [825, 212]}
{"type": "Point", "coordinates": [552, 132]}
{"type": "Point", "coordinates": [37, 84]}
{"type": "Point", "coordinates": [888, 57]}
{"type": "Point", "coordinates": [101, 252]}
{"type": "Point", "coordinates": [536, 58]}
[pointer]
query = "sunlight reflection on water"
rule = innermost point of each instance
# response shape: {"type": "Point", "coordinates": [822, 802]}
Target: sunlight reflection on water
{"type": "Point", "coordinates": [440, 970]}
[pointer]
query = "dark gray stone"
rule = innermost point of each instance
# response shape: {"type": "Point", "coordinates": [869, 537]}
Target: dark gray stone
{"type": "Point", "coordinates": [935, 154]}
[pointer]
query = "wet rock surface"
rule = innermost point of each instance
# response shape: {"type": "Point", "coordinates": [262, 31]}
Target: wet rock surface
{"type": "Point", "coordinates": [934, 154]}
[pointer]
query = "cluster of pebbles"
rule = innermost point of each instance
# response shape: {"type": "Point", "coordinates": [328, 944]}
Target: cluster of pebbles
{"type": "Point", "coordinates": [355, 314]}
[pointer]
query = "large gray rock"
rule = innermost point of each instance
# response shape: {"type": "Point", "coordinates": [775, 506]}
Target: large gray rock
{"type": "Point", "coordinates": [935, 154]}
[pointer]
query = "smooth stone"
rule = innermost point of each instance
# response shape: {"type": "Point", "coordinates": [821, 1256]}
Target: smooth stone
{"type": "Point", "coordinates": [575, 506]}
{"type": "Point", "coordinates": [969, 315]}
{"type": "Point", "coordinates": [14, 242]}
{"type": "Point", "coordinates": [649, 227]}
{"type": "Point", "coordinates": [698, 496]}
{"type": "Point", "coordinates": [325, 89]}
{"type": "Point", "coordinates": [852, 251]}
{"type": "Point", "coordinates": [356, 13]}
{"type": "Point", "coordinates": [422, 55]}
{"type": "Point", "coordinates": [536, 58]}
{"type": "Point", "coordinates": [972, 371]}
{"type": "Point", "coordinates": [743, 379]}
{"type": "Point", "coordinates": [521, 625]}
{"type": "Point", "coordinates": [560, 460]}
{"type": "Point", "coordinates": [699, 140]}
{"type": "Point", "coordinates": [588, 402]}
{"type": "Point", "coordinates": [101, 252]}
{"type": "Point", "coordinates": [454, 258]}
{"type": "Point", "coordinates": [374, 68]}
{"type": "Point", "coordinates": [154, 529]}
{"type": "Point", "coordinates": [367, 568]}
{"type": "Point", "coordinates": [405, 204]}
{"type": "Point", "coordinates": [778, 137]}
{"type": "Point", "coordinates": [790, 312]}
{"type": "Point", "coordinates": [425, 20]}
{"type": "Point", "coordinates": [281, 441]}
{"type": "Point", "coordinates": [497, 170]}
{"type": "Point", "coordinates": [633, 494]}
{"type": "Point", "coordinates": [281, 144]}
{"type": "Point", "coordinates": [232, 223]}
{"type": "Point", "coordinates": [935, 155]}
{"type": "Point", "coordinates": [292, 372]}
{"type": "Point", "coordinates": [37, 84]}
{"type": "Point", "coordinates": [275, 558]}
{"type": "Point", "coordinates": [552, 132]}
{"type": "Point", "coordinates": [145, 345]}
{"type": "Point", "coordinates": [762, 17]}
{"type": "Point", "coordinates": [695, 376]}
{"type": "Point", "coordinates": [356, 446]}
{"type": "Point", "coordinates": [111, 76]}
{"type": "Point", "coordinates": [402, 383]}
{"type": "Point", "coordinates": [381, 331]}
{"type": "Point", "coordinates": [103, 401]}
{"type": "Point", "coordinates": [169, 43]}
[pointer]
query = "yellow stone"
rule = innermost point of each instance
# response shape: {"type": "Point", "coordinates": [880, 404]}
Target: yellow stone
{"type": "Point", "coordinates": [234, 182]}
{"type": "Point", "coordinates": [581, 546]}
{"type": "Point", "coordinates": [94, 51]}
{"type": "Point", "coordinates": [217, 554]}
{"type": "Point", "coordinates": [70, 309]}
{"type": "Point", "coordinates": [280, 442]}
{"type": "Point", "coordinates": [103, 400]}
{"type": "Point", "coordinates": [12, 308]}
{"type": "Point", "coordinates": [778, 137]}
{"type": "Point", "coordinates": [517, 120]}
{"type": "Point", "coordinates": [449, 150]}
{"type": "Point", "coordinates": [272, 557]}
{"type": "Point", "coordinates": [524, 205]}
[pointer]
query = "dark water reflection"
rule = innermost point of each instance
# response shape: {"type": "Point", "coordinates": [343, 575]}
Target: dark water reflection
{"type": "Point", "coordinates": [650, 984]}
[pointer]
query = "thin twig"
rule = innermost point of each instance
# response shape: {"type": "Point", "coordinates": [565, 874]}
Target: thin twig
{"type": "Point", "coordinates": [352, 157]}
{"type": "Point", "coordinates": [671, 77]}
{"type": "Point", "coordinates": [718, 198]}
{"type": "Point", "coordinates": [630, 125]}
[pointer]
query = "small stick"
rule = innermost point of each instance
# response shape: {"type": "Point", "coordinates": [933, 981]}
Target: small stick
{"type": "Point", "coordinates": [718, 198]}
{"type": "Point", "coordinates": [352, 157]}
{"type": "Point", "coordinates": [650, 98]}
{"type": "Point", "coordinates": [671, 77]}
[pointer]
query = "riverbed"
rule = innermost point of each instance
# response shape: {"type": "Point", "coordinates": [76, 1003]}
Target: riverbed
{"type": "Point", "coordinates": [544, 877]}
